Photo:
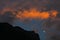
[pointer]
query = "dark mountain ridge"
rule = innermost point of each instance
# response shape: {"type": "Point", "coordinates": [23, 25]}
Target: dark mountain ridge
{"type": "Point", "coordinates": [8, 32]}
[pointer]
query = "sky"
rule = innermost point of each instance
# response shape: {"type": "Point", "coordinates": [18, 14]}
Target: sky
{"type": "Point", "coordinates": [37, 15]}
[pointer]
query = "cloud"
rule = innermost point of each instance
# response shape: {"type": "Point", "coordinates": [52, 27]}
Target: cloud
{"type": "Point", "coordinates": [7, 15]}
{"type": "Point", "coordinates": [35, 14]}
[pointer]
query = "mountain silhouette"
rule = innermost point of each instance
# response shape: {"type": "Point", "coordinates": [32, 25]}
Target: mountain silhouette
{"type": "Point", "coordinates": [8, 32]}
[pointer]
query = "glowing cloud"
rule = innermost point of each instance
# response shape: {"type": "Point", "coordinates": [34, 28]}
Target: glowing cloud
{"type": "Point", "coordinates": [34, 14]}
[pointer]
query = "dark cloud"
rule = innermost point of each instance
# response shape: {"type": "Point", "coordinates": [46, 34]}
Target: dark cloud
{"type": "Point", "coordinates": [43, 5]}
{"type": "Point", "coordinates": [55, 37]}
{"type": "Point", "coordinates": [58, 15]}
{"type": "Point", "coordinates": [52, 27]}
{"type": "Point", "coordinates": [7, 17]}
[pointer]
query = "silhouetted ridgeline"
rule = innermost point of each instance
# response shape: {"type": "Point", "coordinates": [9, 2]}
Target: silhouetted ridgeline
{"type": "Point", "coordinates": [8, 32]}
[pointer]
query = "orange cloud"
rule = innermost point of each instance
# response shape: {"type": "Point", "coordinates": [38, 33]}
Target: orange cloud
{"type": "Point", "coordinates": [54, 13]}
{"type": "Point", "coordinates": [33, 14]}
